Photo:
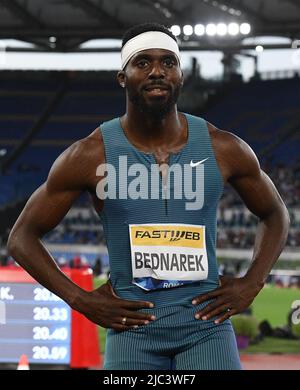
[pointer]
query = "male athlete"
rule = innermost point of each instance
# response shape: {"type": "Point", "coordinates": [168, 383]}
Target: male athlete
{"type": "Point", "coordinates": [165, 305]}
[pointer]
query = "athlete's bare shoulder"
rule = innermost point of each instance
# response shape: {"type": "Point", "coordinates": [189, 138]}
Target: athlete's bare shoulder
{"type": "Point", "coordinates": [77, 165]}
{"type": "Point", "coordinates": [234, 156]}
{"type": "Point", "coordinates": [92, 146]}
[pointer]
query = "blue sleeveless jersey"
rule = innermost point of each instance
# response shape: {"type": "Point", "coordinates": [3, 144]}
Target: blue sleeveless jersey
{"type": "Point", "coordinates": [120, 214]}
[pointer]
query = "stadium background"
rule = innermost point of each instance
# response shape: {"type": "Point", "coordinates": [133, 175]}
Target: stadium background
{"type": "Point", "coordinates": [45, 108]}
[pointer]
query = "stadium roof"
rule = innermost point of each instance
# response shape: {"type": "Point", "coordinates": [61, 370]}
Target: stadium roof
{"type": "Point", "coordinates": [62, 25]}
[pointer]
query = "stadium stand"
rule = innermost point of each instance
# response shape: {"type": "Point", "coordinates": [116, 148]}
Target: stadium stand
{"type": "Point", "coordinates": [93, 98]}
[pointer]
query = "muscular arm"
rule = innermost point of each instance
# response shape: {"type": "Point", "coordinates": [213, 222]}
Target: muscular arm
{"type": "Point", "coordinates": [68, 177]}
{"type": "Point", "coordinates": [239, 166]}
{"type": "Point", "coordinates": [72, 173]}
{"type": "Point", "coordinates": [262, 199]}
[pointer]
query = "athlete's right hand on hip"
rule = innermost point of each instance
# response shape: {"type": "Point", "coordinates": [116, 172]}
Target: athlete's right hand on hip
{"type": "Point", "coordinates": [103, 307]}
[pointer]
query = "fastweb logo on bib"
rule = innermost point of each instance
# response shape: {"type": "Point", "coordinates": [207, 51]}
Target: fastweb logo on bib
{"type": "Point", "coordinates": [167, 255]}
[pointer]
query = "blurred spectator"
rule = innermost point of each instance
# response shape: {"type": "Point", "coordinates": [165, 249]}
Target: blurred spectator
{"type": "Point", "coordinates": [79, 262]}
{"type": "Point", "coordinates": [62, 261]}
{"type": "Point", "coordinates": [98, 269]}
{"type": "Point", "coordinates": [3, 261]}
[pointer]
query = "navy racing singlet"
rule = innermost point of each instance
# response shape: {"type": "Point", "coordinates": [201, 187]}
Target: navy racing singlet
{"type": "Point", "coordinates": [161, 239]}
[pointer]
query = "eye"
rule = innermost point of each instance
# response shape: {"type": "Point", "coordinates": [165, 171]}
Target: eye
{"type": "Point", "coordinates": [169, 62]}
{"type": "Point", "coordinates": [142, 63]}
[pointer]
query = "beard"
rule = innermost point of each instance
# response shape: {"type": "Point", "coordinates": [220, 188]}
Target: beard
{"type": "Point", "coordinates": [157, 107]}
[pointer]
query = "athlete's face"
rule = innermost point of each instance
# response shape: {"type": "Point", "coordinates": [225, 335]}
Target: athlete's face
{"type": "Point", "coordinates": [153, 79]}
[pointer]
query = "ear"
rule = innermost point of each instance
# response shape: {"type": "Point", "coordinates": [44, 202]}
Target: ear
{"type": "Point", "coordinates": [182, 79]}
{"type": "Point", "coordinates": [121, 78]}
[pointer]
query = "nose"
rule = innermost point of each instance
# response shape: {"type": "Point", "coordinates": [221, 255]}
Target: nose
{"type": "Point", "coordinates": [157, 71]}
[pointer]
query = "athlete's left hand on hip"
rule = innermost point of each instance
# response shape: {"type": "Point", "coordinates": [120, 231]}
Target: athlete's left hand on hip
{"type": "Point", "coordinates": [232, 297]}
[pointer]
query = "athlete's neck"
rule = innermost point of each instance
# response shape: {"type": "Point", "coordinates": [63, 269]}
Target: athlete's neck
{"type": "Point", "coordinates": [150, 134]}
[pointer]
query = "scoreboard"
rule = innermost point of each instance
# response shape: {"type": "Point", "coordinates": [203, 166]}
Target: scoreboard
{"type": "Point", "coordinates": [37, 323]}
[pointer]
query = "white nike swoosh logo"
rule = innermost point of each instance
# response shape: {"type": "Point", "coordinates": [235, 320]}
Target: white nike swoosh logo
{"type": "Point", "coordinates": [192, 164]}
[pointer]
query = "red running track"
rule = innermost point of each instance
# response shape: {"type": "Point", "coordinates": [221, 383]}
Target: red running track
{"type": "Point", "coordinates": [266, 361]}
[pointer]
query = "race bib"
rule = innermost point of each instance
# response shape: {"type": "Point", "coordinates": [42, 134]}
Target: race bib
{"type": "Point", "coordinates": [167, 255]}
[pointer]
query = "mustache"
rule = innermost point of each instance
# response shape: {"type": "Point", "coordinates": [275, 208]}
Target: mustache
{"type": "Point", "coordinates": [157, 83]}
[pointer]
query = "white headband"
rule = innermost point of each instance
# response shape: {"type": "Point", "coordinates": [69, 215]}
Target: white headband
{"type": "Point", "coordinates": [148, 40]}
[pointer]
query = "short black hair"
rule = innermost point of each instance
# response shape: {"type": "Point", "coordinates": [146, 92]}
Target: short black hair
{"type": "Point", "coordinates": [144, 27]}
